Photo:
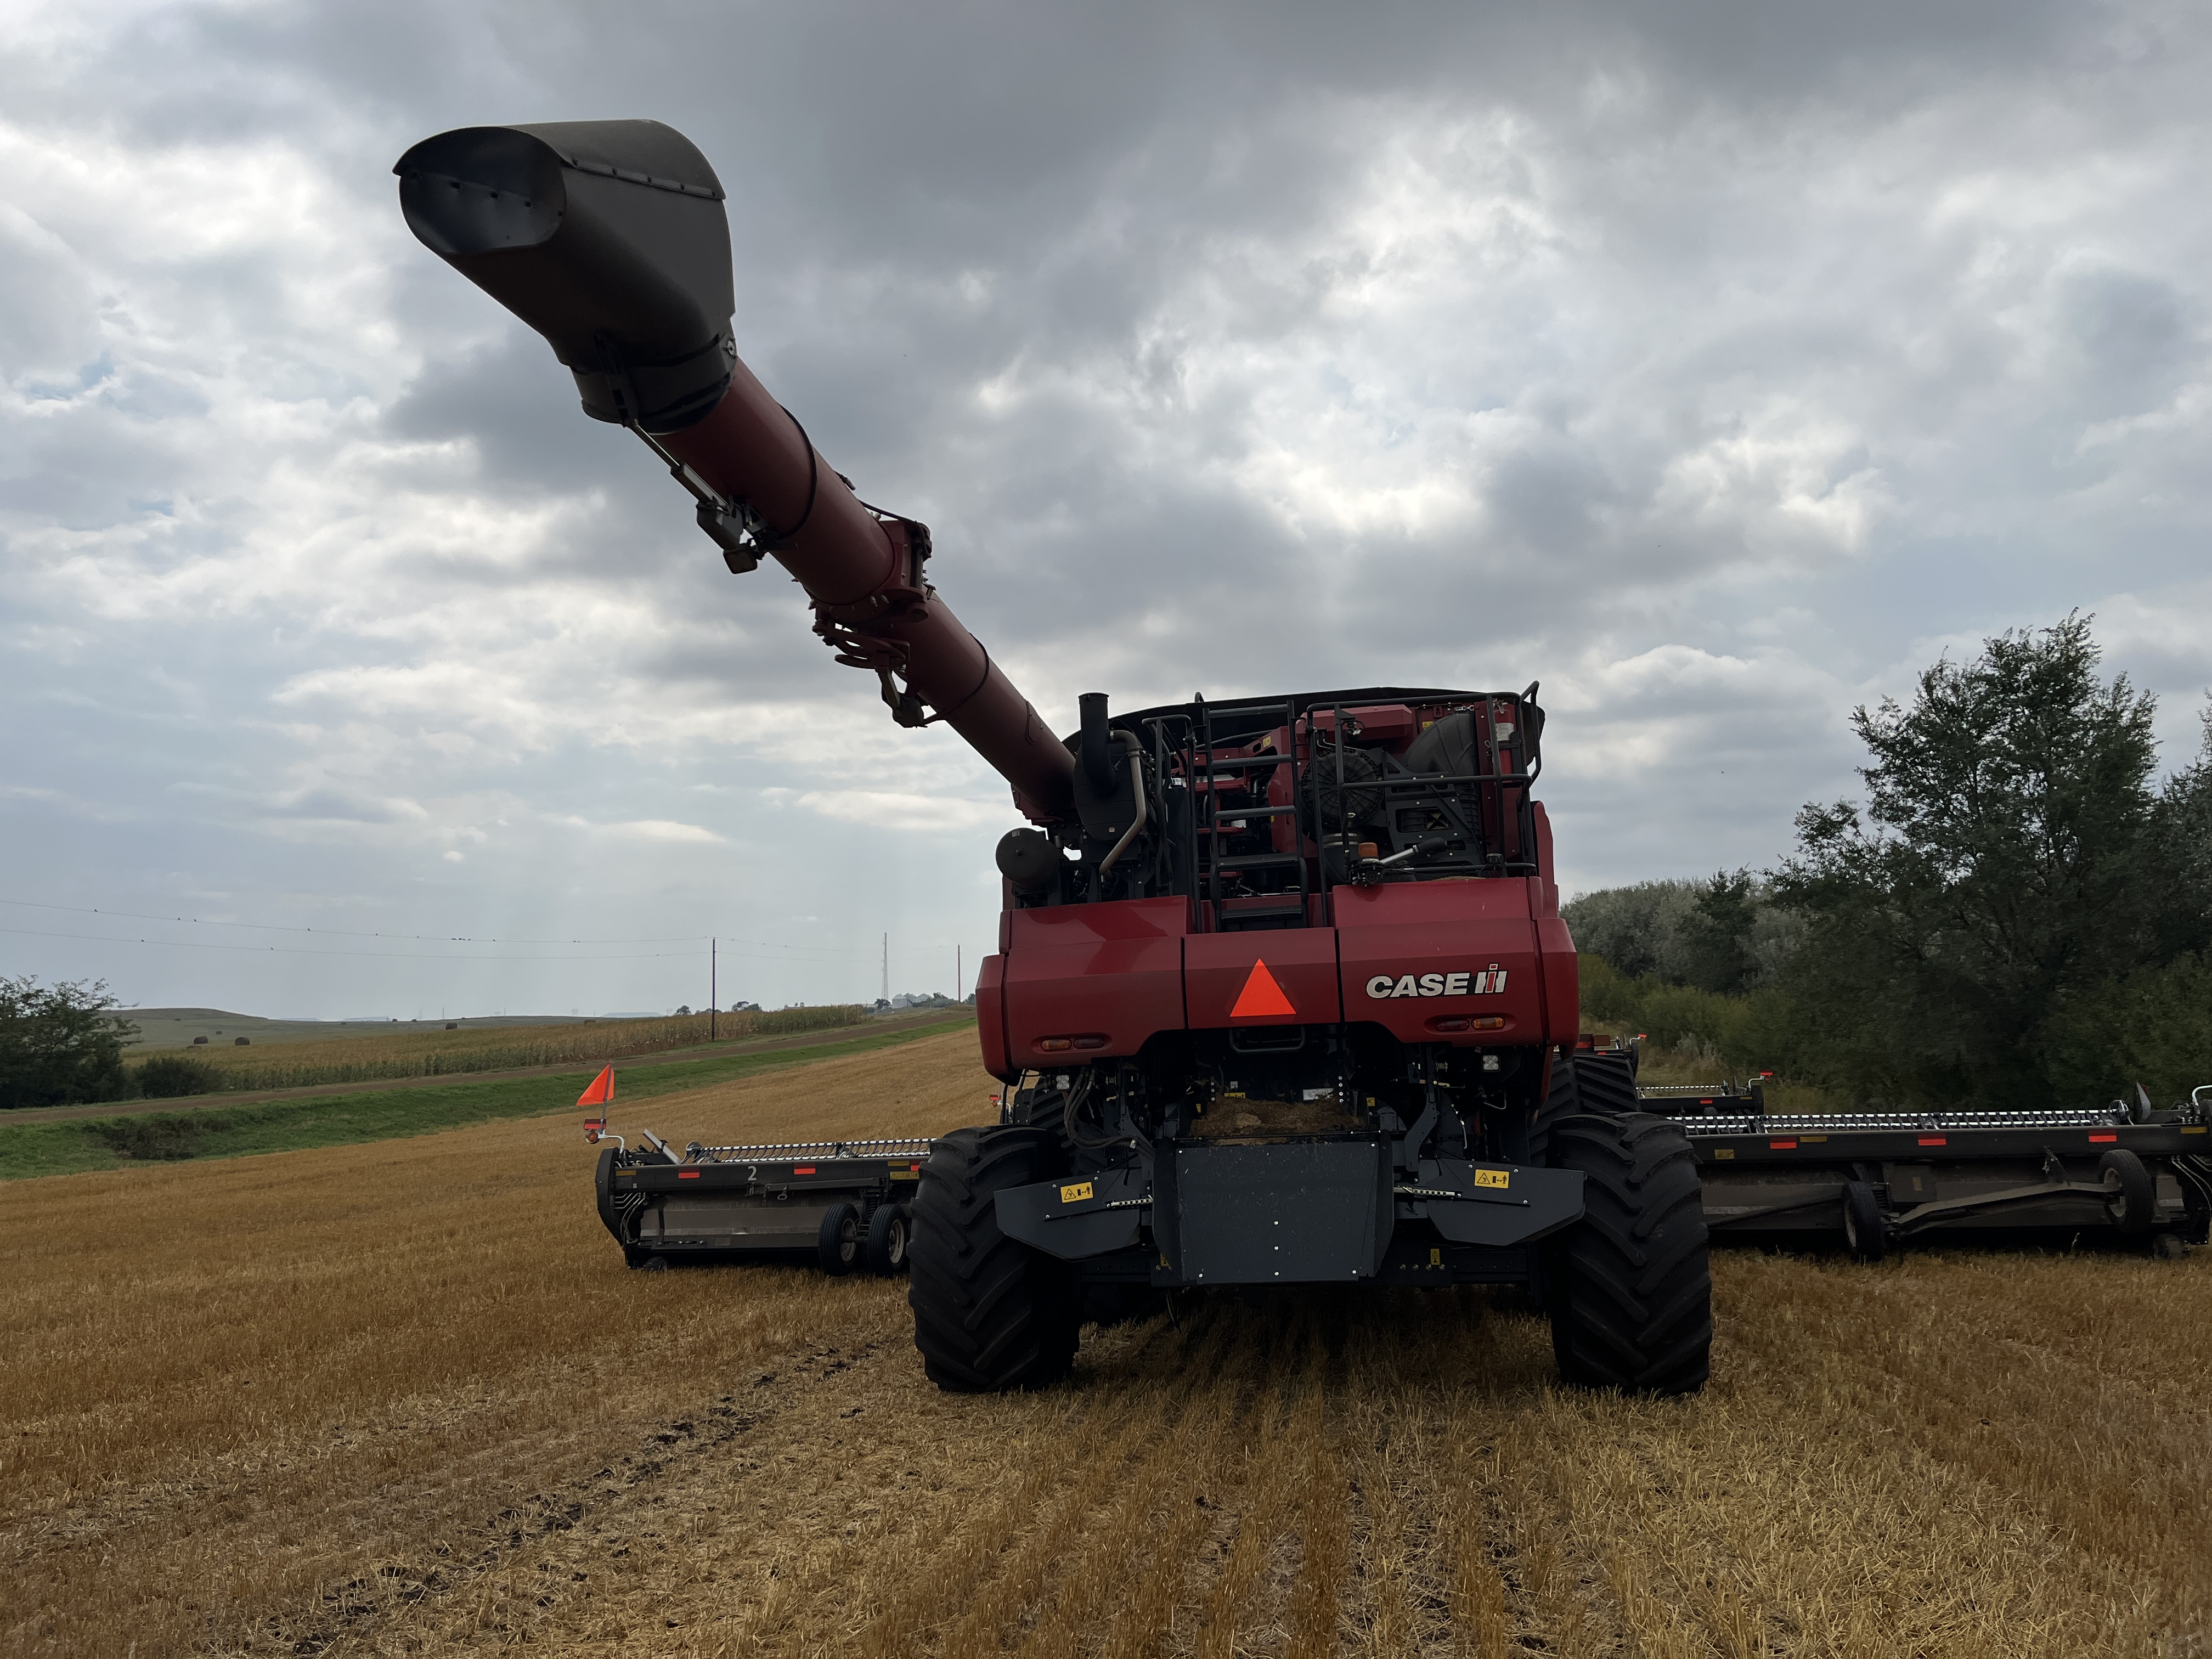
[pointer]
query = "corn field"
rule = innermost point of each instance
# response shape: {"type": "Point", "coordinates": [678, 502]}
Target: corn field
{"type": "Point", "coordinates": [495, 1048]}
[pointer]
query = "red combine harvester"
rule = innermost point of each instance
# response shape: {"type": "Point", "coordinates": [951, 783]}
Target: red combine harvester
{"type": "Point", "coordinates": [1282, 995]}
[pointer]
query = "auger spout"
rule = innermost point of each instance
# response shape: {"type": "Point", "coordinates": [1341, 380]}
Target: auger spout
{"type": "Point", "coordinates": [611, 239]}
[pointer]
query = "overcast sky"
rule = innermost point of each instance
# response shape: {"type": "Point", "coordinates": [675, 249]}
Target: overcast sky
{"type": "Point", "coordinates": [1718, 365]}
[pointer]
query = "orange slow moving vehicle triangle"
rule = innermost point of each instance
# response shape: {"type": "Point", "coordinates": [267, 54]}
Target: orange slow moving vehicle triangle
{"type": "Point", "coordinates": [601, 1092]}
{"type": "Point", "coordinates": [1260, 996]}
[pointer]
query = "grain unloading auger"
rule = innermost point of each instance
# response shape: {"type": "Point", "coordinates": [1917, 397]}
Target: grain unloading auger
{"type": "Point", "coordinates": [1281, 995]}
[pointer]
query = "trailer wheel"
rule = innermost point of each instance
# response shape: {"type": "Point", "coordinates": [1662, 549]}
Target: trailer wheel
{"type": "Point", "coordinates": [2134, 1203]}
{"type": "Point", "coordinates": [838, 1243]}
{"type": "Point", "coordinates": [1629, 1286]}
{"type": "Point", "coordinates": [2168, 1247]}
{"type": "Point", "coordinates": [1865, 1232]}
{"type": "Point", "coordinates": [989, 1313]}
{"type": "Point", "coordinates": [887, 1239]}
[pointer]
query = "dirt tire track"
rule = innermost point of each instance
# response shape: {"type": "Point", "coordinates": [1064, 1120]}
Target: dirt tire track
{"type": "Point", "coordinates": [350, 1612]}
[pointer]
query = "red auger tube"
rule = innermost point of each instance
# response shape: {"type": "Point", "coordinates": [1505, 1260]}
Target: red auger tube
{"type": "Point", "coordinates": [610, 238]}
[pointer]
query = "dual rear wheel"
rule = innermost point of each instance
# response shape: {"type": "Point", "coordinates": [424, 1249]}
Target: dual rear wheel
{"type": "Point", "coordinates": [844, 1244]}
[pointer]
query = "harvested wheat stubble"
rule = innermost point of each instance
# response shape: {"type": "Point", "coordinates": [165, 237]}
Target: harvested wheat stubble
{"type": "Point", "coordinates": [404, 1398]}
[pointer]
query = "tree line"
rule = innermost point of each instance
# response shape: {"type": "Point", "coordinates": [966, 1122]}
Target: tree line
{"type": "Point", "coordinates": [62, 1044]}
{"type": "Point", "coordinates": [2018, 914]}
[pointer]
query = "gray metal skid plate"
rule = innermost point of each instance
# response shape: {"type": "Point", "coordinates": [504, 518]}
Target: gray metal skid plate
{"type": "Point", "coordinates": [1496, 1204]}
{"type": "Point", "coordinates": [1297, 1212]}
{"type": "Point", "coordinates": [1077, 1217]}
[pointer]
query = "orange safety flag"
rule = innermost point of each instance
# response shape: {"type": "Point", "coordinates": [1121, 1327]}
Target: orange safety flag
{"type": "Point", "coordinates": [1260, 996]}
{"type": "Point", "coordinates": [602, 1090]}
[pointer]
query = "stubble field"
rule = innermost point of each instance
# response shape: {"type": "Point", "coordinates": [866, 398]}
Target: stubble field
{"type": "Point", "coordinates": [403, 1398]}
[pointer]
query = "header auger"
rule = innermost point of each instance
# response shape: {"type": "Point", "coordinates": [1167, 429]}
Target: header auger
{"type": "Point", "coordinates": [1281, 996]}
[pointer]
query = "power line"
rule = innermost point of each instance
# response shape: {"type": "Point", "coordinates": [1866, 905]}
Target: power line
{"type": "Point", "coordinates": [417, 939]}
{"type": "Point", "coordinates": [365, 956]}
{"type": "Point", "coordinates": [370, 956]}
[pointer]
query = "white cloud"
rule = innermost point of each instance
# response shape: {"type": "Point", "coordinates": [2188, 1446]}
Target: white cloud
{"type": "Point", "coordinates": [898, 814]}
{"type": "Point", "coordinates": [1715, 375]}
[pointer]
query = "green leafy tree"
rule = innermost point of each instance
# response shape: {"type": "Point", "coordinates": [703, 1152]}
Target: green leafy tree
{"type": "Point", "coordinates": [1717, 937]}
{"type": "Point", "coordinates": [2179, 861]}
{"type": "Point", "coordinates": [1999, 875]}
{"type": "Point", "coordinates": [61, 1043]}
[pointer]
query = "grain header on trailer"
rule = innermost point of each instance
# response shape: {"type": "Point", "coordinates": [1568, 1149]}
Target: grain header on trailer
{"type": "Point", "coordinates": [1881, 1180]}
{"type": "Point", "coordinates": [1281, 993]}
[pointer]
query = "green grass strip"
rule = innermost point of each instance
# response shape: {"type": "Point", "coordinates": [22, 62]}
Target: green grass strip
{"type": "Point", "coordinates": [74, 1145]}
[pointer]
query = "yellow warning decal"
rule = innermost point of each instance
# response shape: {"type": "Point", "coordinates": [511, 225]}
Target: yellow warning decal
{"type": "Point", "coordinates": [1493, 1178]}
{"type": "Point", "coordinates": [1076, 1193]}
{"type": "Point", "coordinates": [1724, 1151]}
{"type": "Point", "coordinates": [2198, 1130]}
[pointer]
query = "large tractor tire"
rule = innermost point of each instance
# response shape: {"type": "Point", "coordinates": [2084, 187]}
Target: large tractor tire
{"type": "Point", "coordinates": [1601, 1083]}
{"type": "Point", "coordinates": [1628, 1286]}
{"type": "Point", "coordinates": [989, 1313]}
{"type": "Point", "coordinates": [1606, 1083]}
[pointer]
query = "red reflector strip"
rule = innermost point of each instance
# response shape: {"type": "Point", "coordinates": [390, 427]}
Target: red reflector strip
{"type": "Point", "coordinates": [803, 1168]}
{"type": "Point", "coordinates": [1935, 1140]}
{"type": "Point", "coordinates": [1782, 1145]}
{"type": "Point", "coordinates": [2104, 1138]}
{"type": "Point", "coordinates": [687, 1174]}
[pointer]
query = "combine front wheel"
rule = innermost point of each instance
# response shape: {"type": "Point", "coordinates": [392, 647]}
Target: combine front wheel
{"type": "Point", "coordinates": [989, 1312]}
{"type": "Point", "coordinates": [1629, 1286]}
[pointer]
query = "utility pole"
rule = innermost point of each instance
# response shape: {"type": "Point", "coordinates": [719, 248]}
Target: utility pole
{"type": "Point", "coordinates": [959, 987]}
{"type": "Point", "coordinates": [714, 988]}
{"type": "Point", "coordinates": [887, 970]}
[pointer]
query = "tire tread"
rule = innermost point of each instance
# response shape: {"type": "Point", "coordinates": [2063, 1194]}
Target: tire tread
{"type": "Point", "coordinates": [1630, 1286]}
{"type": "Point", "coordinates": [990, 1314]}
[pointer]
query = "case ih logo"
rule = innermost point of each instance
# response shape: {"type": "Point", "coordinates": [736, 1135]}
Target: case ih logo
{"type": "Point", "coordinates": [1491, 981]}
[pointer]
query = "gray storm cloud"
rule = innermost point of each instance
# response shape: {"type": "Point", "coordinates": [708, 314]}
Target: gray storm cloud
{"type": "Point", "coordinates": [1716, 364]}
